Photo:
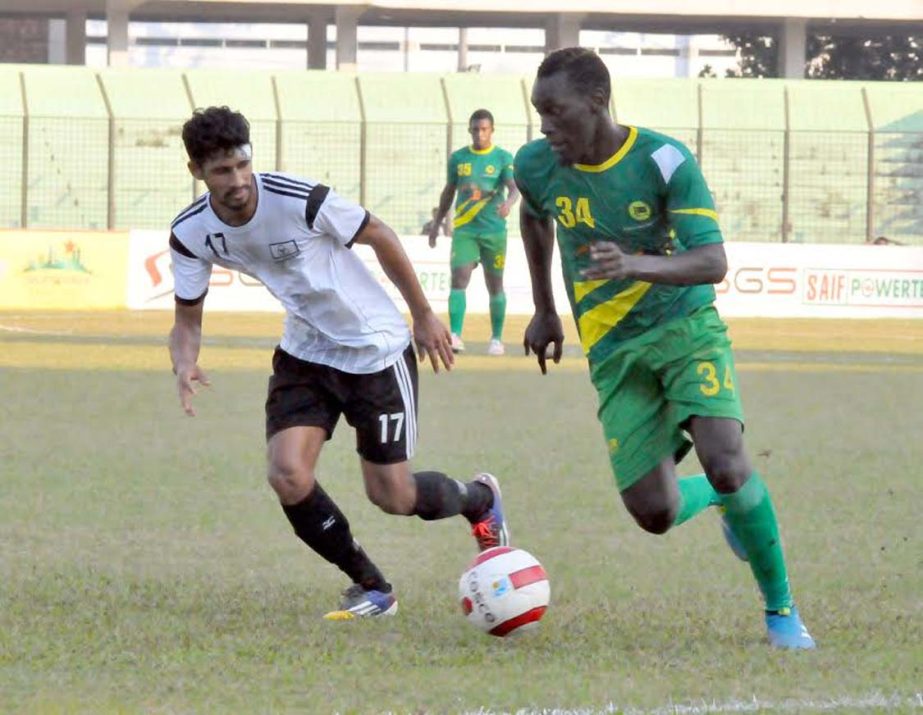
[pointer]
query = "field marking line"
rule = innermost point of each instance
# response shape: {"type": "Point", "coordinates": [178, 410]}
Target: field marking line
{"type": "Point", "coordinates": [873, 701]}
{"type": "Point", "coordinates": [32, 331]}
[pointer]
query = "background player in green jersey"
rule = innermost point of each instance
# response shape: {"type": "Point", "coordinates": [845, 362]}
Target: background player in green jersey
{"type": "Point", "coordinates": [481, 173]}
{"type": "Point", "coordinates": [641, 249]}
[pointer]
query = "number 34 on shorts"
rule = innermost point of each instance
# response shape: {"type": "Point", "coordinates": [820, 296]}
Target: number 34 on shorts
{"type": "Point", "coordinates": [709, 372]}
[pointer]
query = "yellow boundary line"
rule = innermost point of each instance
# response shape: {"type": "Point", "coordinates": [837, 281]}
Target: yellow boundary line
{"type": "Point", "coordinates": [68, 356]}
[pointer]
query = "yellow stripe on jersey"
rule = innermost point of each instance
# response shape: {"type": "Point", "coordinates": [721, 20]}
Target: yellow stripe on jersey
{"type": "Point", "coordinates": [581, 288]}
{"type": "Point", "coordinates": [710, 213]}
{"type": "Point", "coordinates": [462, 206]}
{"type": "Point", "coordinates": [597, 322]}
{"type": "Point", "coordinates": [615, 158]}
{"type": "Point", "coordinates": [470, 212]}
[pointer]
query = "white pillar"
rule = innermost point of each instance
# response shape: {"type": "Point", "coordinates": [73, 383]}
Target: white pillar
{"type": "Point", "coordinates": [347, 21]}
{"type": "Point", "coordinates": [317, 42]}
{"type": "Point", "coordinates": [793, 47]}
{"type": "Point", "coordinates": [686, 53]}
{"type": "Point", "coordinates": [562, 30]}
{"type": "Point", "coordinates": [76, 37]}
{"type": "Point", "coordinates": [117, 33]}
{"type": "Point", "coordinates": [57, 41]}
{"type": "Point", "coordinates": [462, 49]}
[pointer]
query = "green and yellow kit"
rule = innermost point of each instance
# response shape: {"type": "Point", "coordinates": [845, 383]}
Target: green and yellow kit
{"type": "Point", "coordinates": [480, 177]}
{"type": "Point", "coordinates": [658, 353]}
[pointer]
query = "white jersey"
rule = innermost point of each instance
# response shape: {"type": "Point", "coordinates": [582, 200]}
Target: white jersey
{"type": "Point", "coordinates": [298, 245]}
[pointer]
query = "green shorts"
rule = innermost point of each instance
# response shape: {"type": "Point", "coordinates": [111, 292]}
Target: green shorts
{"type": "Point", "coordinates": [650, 387]}
{"type": "Point", "coordinates": [488, 249]}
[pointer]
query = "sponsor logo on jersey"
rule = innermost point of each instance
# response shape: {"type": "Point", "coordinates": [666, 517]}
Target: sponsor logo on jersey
{"type": "Point", "coordinates": [284, 250]}
{"type": "Point", "coordinates": [639, 211]}
{"type": "Point", "coordinates": [490, 169]}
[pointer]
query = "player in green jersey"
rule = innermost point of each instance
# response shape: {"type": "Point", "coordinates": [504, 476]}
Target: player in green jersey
{"type": "Point", "coordinates": [481, 174]}
{"type": "Point", "coordinates": [641, 249]}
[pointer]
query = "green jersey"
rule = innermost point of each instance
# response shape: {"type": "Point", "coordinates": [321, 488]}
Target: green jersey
{"type": "Point", "coordinates": [479, 176]}
{"type": "Point", "coordinates": [649, 197]}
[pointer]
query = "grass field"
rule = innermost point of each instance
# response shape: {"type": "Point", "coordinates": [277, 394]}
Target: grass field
{"type": "Point", "coordinates": [145, 566]}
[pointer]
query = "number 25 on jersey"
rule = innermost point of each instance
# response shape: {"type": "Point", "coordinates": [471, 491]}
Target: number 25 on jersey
{"type": "Point", "coordinates": [571, 213]}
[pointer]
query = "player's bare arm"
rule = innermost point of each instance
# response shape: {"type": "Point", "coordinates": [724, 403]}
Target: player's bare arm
{"type": "Point", "coordinates": [545, 327]}
{"type": "Point", "coordinates": [431, 336]}
{"type": "Point", "coordinates": [445, 203]}
{"type": "Point", "coordinates": [185, 341]}
{"type": "Point", "coordinates": [700, 265]}
{"type": "Point", "coordinates": [512, 196]}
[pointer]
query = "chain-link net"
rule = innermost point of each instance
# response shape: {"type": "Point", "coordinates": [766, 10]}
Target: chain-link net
{"type": "Point", "coordinates": [263, 140]}
{"type": "Point", "coordinates": [898, 182]}
{"type": "Point", "coordinates": [11, 176]}
{"type": "Point", "coordinates": [151, 181]}
{"type": "Point", "coordinates": [744, 171]}
{"type": "Point", "coordinates": [401, 171]}
{"type": "Point", "coordinates": [828, 186]}
{"type": "Point", "coordinates": [328, 152]}
{"type": "Point", "coordinates": [68, 173]}
{"type": "Point", "coordinates": [404, 172]}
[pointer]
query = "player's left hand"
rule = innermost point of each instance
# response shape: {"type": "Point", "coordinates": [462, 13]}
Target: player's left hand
{"type": "Point", "coordinates": [503, 210]}
{"type": "Point", "coordinates": [433, 340]}
{"type": "Point", "coordinates": [608, 261]}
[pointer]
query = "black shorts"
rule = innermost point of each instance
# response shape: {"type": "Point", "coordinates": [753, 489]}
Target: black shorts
{"type": "Point", "coordinates": [381, 406]}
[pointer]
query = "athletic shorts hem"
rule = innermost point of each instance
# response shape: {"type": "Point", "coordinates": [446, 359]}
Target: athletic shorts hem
{"type": "Point", "coordinates": [634, 474]}
{"type": "Point", "coordinates": [686, 414]}
{"type": "Point", "coordinates": [296, 421]}
{"type": "Point", "coordinates": [383, 462]}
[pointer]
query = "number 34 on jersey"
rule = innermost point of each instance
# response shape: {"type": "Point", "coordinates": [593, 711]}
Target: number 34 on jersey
{"type": "Point", "coordinates": [574, 211]}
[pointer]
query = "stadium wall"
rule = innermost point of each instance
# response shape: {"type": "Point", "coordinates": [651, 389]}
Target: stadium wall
{"type": "Point", "coordinates": [110, 270]}
{"type": "Point", "coordinates": [788, 161]}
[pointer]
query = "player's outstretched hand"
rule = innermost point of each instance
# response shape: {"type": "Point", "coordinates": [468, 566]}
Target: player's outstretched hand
{"type": "Point", "coordinates": [608, 261]}
{"type": "Point", "coordinates": [185, 387]}
{"type": "Point", "coordinates": [544, 329]}
{"type": "Point", "coordinates": [434, 341]}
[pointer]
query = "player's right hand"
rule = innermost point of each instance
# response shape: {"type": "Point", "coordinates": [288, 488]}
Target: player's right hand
{"type": "Point", "coordinates": [185, 377]}
{"type": "Point", "coordinates": [544, 329]}
{"type": "Point", "coordinates": [432, 238]}
{"type": "Point", "coordinates": [433, 341]}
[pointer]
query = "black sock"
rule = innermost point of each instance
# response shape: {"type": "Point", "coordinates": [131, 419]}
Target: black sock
{"type": "Point", "coordinates": [320, 524]}
{"type": "Point", "coordinates": [440, 496]}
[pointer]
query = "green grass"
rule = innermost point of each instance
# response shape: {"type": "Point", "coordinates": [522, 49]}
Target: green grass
{"type": "Point", "coordinates": [146, 567]}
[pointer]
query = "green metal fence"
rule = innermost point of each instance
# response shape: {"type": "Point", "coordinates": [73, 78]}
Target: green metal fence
{"type": "Point", "coordinates": [799, 161]}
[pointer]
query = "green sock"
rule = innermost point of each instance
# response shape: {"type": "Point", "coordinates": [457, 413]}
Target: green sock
{"type": "Point", "coordinates": [695, 495]}
{"type": "Point", "coordinates": [456, 310]}
{"type": "Point", "coordinates": [497, 315]}
{"type": "Point", "coordinates": [752, 518]}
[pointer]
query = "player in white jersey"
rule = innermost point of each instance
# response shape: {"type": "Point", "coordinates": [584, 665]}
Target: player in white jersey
{"type": "Point", "coordinates": [346, 349]}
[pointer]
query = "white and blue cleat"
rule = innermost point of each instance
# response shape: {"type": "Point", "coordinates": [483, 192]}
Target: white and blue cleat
{"type": "Point", "coordinates": [786, 630]}
{"type": "Point", "coordinates": [359, 603]}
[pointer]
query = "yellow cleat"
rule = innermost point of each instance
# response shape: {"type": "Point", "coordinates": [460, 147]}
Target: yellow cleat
{"type": "Point", "coordinates": [339, 616]}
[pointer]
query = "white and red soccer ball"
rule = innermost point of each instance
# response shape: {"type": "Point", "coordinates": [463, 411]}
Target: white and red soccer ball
{"type": "Point", "coordinates": [504, 591]}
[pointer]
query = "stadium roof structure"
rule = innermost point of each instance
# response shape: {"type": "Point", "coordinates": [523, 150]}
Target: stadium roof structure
{"type": "Point", "coordinates": [789, 20]}
{"type": "Point", "coordinates": [649, 15]}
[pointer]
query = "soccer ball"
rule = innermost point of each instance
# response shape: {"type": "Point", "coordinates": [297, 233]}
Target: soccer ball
{"type": "Point", "coordinates": [504, 591]}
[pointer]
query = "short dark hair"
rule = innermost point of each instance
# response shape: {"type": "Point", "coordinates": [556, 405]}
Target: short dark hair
{"type": "Point", "coordinates": [583, 67]}
{"type": "Point", "coordinates": [214, 130]}
{"type": "Point", "coordinates": [480, 114]}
